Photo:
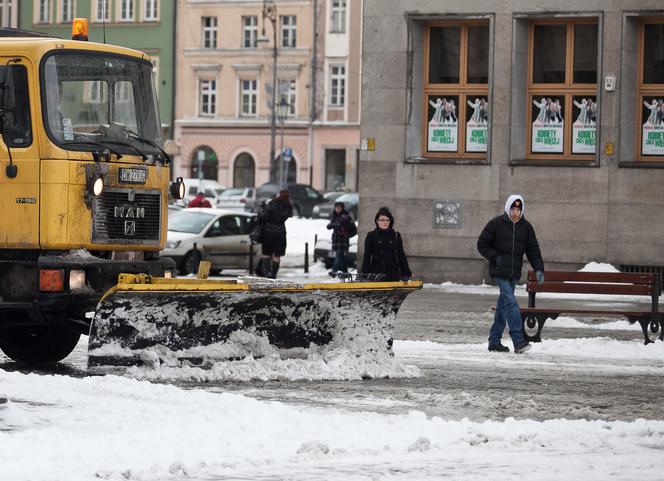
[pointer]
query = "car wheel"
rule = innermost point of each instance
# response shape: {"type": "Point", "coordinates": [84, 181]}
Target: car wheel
{"type": "Point", "coordinates": [38, 344]}
{"type": "Point", "coordinates": [190, 263]}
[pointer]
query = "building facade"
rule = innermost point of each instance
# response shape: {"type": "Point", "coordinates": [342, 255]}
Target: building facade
{"type": "Point", "coordinates": [227, 53]}
{"type": "Point", "coordinates": [9, 13]}
{"type": "Point", "coordinates": [145, 25]}
{"type": "Point", "coordinates": [467, 102]}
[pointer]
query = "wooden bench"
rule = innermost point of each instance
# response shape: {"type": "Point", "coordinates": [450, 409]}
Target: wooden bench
{"type": "Point", "coordinates": [618, 283]}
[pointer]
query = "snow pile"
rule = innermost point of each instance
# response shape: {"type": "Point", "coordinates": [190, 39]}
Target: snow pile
{"type": "Point", "coordinates": [312, 364]}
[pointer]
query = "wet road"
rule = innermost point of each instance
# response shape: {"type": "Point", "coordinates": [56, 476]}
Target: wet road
{"type": "Point", "coordinates": [459, 381]}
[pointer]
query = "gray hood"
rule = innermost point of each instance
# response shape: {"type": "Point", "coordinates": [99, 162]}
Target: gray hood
{"type": "Point", "coordinates": [510, 201]}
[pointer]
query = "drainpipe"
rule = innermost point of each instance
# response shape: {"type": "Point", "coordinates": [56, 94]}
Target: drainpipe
{"type": "Point", "coordinates": [312, 95]}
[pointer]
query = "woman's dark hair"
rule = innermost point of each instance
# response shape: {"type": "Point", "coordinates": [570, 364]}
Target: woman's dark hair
{"type": "Point", "coordinates": [386, 212]}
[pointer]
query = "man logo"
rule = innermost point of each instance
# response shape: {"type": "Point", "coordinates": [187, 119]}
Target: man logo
{"type": "Point", "coordinates": [130, 228]}
{"type": "Point", "coordinates": [129, 212]}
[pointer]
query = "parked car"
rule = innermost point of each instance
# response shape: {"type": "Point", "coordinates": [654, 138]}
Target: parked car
{"type": "Point", "coordinates": [323, 252]}
{"type": "Point", "coordinates": [236, 198]}
{"type": "Point", "coordinates": [211, 190]}
{"type": "Point", "coordinates": [329, 197]}
{"type": "Point", "coordinates": [350, 200]}
{"type": "Point", "coordinates": [221, 237]}
{"type": "Point", "coordinates": [303, 197]}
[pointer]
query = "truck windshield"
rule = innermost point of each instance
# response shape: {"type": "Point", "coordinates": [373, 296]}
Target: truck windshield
{"type": "Point", "coordinates": [91, 99]}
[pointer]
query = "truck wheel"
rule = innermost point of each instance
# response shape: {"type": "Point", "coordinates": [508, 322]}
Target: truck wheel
{"type": "Point", "coordinates": [190, 263]}
{"type": "Point", "coordinates": [38, 344]}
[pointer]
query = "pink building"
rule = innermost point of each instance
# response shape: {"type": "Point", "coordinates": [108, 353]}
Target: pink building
{"type": "Point", "coordinates": [226, 57]}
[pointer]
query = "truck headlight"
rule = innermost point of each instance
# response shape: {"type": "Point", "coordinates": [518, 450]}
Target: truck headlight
{"type": "Point", "coordinates": [177, 188]}
{"type": "Point", "coordinates": [95, 185]}
{"type": "Point", "coordinates": [172, 244]}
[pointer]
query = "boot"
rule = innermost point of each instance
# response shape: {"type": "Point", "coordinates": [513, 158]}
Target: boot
{"type": "Point", "coordinates": [275, 269]}
{"type": "Point", "coordinates": [263, 267]}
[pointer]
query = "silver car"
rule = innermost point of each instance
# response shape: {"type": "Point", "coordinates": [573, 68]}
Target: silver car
{"type": "Point", "coordinates": [236, 198]}
{"type": "Point", "coordinates": [220, 236]}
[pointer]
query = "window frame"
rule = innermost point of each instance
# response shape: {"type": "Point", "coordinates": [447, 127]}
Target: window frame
{"type": "Point", "coordinates": [65, 16]}
{"type": "Point", "coordinates": [150, 11]}
{"type": "Point", "coordinates": [568, 90]}
{"type": "Point", "coordinates": [209, 33]}
{"type": "Point", "coordinates": [43, 11]}
{"type": "Point", "coordinates": [462, 90]}
{"type": "Point", "coordinates": [288, 31]}
{"type": "Point", "coordinates": [211, 94]}
{"type": "Point", "coordinates": [130, 6]}
{"type": "Point", "coordinates": [7, 13]}
{"type": "Point", "coordinates": [338, 9]}
{"type": "Point", "coordinates": [644, 90]}
{"type": "Point", "coordinates": [97, 18]}
{"type": "Point", "coordinates": [290, 95]}
{"type": "Point", "coordinates": [333, 100]}
{"type": "Point", "coordinates": [249, 31]}
{"type": "Point", "coordinates": [249, 94]}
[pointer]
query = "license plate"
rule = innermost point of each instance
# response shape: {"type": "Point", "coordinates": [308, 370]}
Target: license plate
{"type": "Point", "coordinates": [132, 176]}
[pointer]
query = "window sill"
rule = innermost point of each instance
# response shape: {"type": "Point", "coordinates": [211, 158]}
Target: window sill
{"type": "Point", "coordinates": [445, 161]}
{"type": "Point", "coordinates": [553, 163]}
{"type": "Point", "coordinates": [642, 164]}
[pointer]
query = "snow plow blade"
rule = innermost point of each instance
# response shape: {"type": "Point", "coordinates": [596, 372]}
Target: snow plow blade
{"type": "Point", "coordinates": [149, 320]}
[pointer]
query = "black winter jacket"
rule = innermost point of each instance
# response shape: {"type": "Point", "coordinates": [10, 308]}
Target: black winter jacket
{"type": "Point", "coordinates": [274, 217]}
{"type": "Point", "coordinates": [344, 229]}
{"type": "Point", "coordinates": [384, 254]}
{"type": "Point", "coordinates": [503, 243]}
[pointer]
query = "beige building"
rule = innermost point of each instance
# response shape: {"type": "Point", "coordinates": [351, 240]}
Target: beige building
{"type": "Point", "coordinates": [226, 55]}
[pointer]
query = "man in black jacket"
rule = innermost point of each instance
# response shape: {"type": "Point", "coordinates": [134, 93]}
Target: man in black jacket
{"type": "Point", "coordinates": [503, 242]}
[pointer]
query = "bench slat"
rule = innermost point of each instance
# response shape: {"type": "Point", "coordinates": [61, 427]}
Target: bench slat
{"type": "Point", "coordinates": [590, 288]}
{"type": "Point", "coordinates": [617, 277]}
{"type": "Point", "coordinates": [542, 310]}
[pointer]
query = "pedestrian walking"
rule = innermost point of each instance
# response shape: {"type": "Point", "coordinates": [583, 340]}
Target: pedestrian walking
{"type": "Point", "coordinates": [503, 242]}
{"type": "Point", "coordinates": [383, 250]}
{"type": "Point", "coordinates": [199, 201]}
{"type": "Point", "coordinates": [343, 228]}
{"type": "Point", "coordinates": [273, 233]}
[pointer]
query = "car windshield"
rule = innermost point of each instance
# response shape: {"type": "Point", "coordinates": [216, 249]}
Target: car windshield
{"type": "Point", "coordinates": [188, 221]}
{"type": "Point", "coordinates": [92, 100]}
{"type": "Point", "coordinates": [348, 198]}
{"type": "Point", "coordinates": [228, 193]}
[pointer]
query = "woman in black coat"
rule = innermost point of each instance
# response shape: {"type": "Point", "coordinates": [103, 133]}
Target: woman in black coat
{"type": "Point", "coordinates": [273, 237]}
{"type": "Point", "coordinates": [383, 250]}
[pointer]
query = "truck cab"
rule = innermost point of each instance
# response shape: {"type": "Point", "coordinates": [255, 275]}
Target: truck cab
{"type": "Point", "coordinates": [84, 186]}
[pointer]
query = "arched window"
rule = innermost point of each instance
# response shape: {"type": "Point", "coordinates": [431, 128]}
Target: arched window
{"type": "Point", "coordinates": [206, 158]}
{"type": "Point", "coordinates": [289, 171]}
{"type": "Point", "coordinates": [244, 171]}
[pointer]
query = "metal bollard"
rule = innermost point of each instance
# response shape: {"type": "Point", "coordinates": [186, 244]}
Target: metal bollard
{"type": "Point", "coordinates": [306, 257]}
{"type": "Point", "coordinates": [251, 259]}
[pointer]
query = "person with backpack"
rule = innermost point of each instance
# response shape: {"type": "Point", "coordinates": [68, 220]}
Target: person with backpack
{"type": "Point", "coordinates": [343, 228]}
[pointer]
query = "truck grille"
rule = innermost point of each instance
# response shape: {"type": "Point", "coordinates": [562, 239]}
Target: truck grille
{"type": "Point", "coordinates": [127, 216]}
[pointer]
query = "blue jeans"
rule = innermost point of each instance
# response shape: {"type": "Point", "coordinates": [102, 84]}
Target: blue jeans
{"type": "Point", "coordinates": [339, 264]}
{"type": "Point", "coordinates": [507, 309]}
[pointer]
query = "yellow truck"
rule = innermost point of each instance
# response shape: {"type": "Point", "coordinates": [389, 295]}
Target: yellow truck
{"type": "Point", "coordinates": [84, 185]}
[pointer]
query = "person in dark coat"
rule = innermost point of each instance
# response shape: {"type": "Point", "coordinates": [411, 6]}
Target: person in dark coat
{"type": "Point", "coordinates": [343, 229]}
{"type": "Point", "coordinates": [273, 238]}
{"type": "Point", "coordinates": [383, 250]}
{"type": "Point", "coordinates": [199, 201]}
{"type": "Point", "coordinates": [503, 242]}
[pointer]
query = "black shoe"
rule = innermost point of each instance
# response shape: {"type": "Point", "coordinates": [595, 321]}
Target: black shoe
{"type": "Point", "coordinates": [521, 347]}
{"type": "Point", "coordinates": [332, 274]}
{"type": "Point", "coordinates": [498, 348]}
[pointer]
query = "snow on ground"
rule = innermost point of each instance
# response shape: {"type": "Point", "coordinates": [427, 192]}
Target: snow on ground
{"type": "Point", "coordinates": [113, 428]}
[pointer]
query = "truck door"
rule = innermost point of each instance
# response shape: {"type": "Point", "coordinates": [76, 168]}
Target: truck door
{"type": "Point", "coordinates": [19, 157]}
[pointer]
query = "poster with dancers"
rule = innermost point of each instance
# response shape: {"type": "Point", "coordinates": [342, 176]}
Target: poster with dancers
{"type": "Point", "coordinates": [584, 128]}
{"type": "Point", "coordinates": [547, 124]}
{"type": "Point", "coordinates": [443, 123]}
{"type": "Point", "coordinates": [652, 118]}
{"type": "Point", "coordinates": [477, 121]}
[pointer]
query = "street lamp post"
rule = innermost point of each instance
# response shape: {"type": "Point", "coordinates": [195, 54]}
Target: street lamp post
{"type": "Point", "coordinates": [270, 13]}
{"type": "Point", "coordinates": [282, 112]}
